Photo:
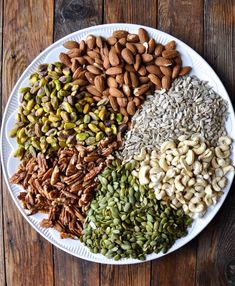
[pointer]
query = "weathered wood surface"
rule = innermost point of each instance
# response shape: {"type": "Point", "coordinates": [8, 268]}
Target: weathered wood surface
{"type": "Point", "coordinates": [208, 27]}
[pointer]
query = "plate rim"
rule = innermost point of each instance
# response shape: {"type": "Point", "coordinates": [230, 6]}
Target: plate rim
{"type": "Point", "coordinates": [44, 53]}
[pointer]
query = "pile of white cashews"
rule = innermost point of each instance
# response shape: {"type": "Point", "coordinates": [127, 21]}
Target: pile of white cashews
{"type": "Point", "coordinates": [188, 174]}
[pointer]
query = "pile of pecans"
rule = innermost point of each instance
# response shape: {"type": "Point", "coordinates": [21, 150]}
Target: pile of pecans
{"type": "Point", "coordinates": [124, 67]}
{"type": "Point", "coordinates": [63, 185]}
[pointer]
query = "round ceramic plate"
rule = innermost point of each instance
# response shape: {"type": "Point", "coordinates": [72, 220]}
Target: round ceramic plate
{"type": "Point", "coordinates": [51, 54]}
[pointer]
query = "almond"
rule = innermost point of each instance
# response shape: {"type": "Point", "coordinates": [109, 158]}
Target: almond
{"type": "Point", "coordinates": [170, 54]}
{"type": "Point", "coordinates": [115, 92]}
{"type": "Point", "coordinates": [97, 98]}
{"type": "Point", "coordinates": [82, 46]}
{"type": "Point", "coordinates": [111, 41]}
{"type": "Point", "coordinates": [166, 82]}
{"type": "Point", "coordinates": [89, 60]}
{"type": "Point", "coordinates": [114, 71]}
{"type": "Point", "coordinates": [155, 80]}
{"type": "Point", "coordinates": [111, 82]}
{"type": "Point", "coordinates": [142, 71]}
{"type": "Point", "coordinates": [91, 41]}
{"type": "Point", "coordinates": [90, 77]}
{"type": "Point", "coordinates": [175, 71]}
{"type": "Point", "coordinates": [127, 79]}
{"type": "Point", "coordinates": [82, 74]}
{"type": "Point", "coordinates": [143, 79]}
{"type": "Point", "coordinates": [81, 82]}
{"type": "Point", "coordinates": [137, 101]}
{"type": "Point", "coordinates": [99, 62]}
{"type": "Point", "coordinates": [106, 63]}
{"type": "Point", "coordinates": [184, 70]}
{"type": "Point", "coordinates": [99, 83]}
{"type": "Point", "coordinates": [129, 68]}
{"type": "Point", "coordinates": [133, 38]}
{"type": "Point", "coordinates": [73, 53]}
{"type": "Point", "coordinates": [74, 65]}
{"type": "Point", "coordinates": [122, 101]}
{"type": "Point", "coordinates": [113, 57]}
{"type": "Point", "coordinates": [118, 48]}
{"type": "Point", "coordinates": [138, 61]}
{"type": "Point", "coordinates": [120, 34]}
{"type": "Point", "coordinates": [178, 61]}
{"type": "Point", "coordinates": [93, 54]}
{"type": "Point", "coordinates": [147, 58]}
{"type": "Point", "coordinates": [141, 89]}
{"type": "Point", "coordinates": [122, 41]}
{"type": "Point", "coordinates": [93, 69]}
{"type": "Point", "coordinates": [120, 79]}
{"type": "Point", "coordinates": [131, 108]}
{"type": "Point", "coordinates": [170, 45]}
{"type": "Point", "coordinates": [99, 42]}
{"type": "Point", "coordinates": [65, 59]}
{"type": "Point", "coordinates": [160, 61]}
{"type": "Point", "coordinates": [113, 103]}
{"type": "Point", "coordinates": [158, 50]}
{"type": "Point", "coordinates": [126, 89]}
{"type": "Point", "coordinates": [92, 90]}
{"type": "Point", "coordinates": [143, 35]}
{"type": "Point", "coordinates": [140, 48]}
{"type": "Point", "coordinates": [81, 60]}
{"type": "Point", "coordinates": [77, 73]}
{"type": "Point", "coordinates": [154, 70]}
{"type": "Point", "coordinates": [166, 71]}
{"type": "Point", "coordinates": [127, 56]}
{"type": "Point", "coordinates": [134, 79]}
{"type": "Point", "coordinates": [151, 46]}
{"type": "Point", "coordinates": [104, 52]}
{"type": "Point", "coordinates": [71, 45]}
{"type": "Point", "coordinates": [123, 111]}
{"type": "Point", "coordinates": [132, 48]}
{"type": "Point", "coordinates": [106, 93]}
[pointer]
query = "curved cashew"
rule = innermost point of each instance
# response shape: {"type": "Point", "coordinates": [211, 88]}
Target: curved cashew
{"type": "Point", "coordinates": [142, 155]}
{"type": "Point", "coordinates": [208, 190]}
{"type": "Point", "coordinates": [185, 180]}
{"type": "Point", "coordinates": [167, 145]}
{"type": "Point", "coordinates": [186, 209]}
{"type": "Point", "coordinates": [219, 172]}
{"type": "Point", "coordinates": [196, 207]}
{"type": "Point", "coordinates": [208, 200]}
{"type": "Point", "coordinates": [192, 143]}
{"type": "Point", "coordinates": [214, 163]}
{"type": "Point", "coordinates": [176, 203]}
{"type": "Point", "coordinates": [175, 161]}
{"type": "Point", "coordinates": [189, 194]}
{"type": "Point", "coordinates": [178, 184]}
{"type": "Point", "coordinates": [191, 182]}
{"type": "Point", "coordinates": [169, 157]}
{"type": "Point", "coordinates": [222, 183]}
{"type": "Point", "coordinates": [201, 182]}
{"type": "Point", "coordinates": [215, 184]}
{"type": "Point", "coordinates": [174, 152]}
{"type": "Point", "coordinates": [186, 167]}
{"type": "Point", "coordinates": [155, 170]}
{"type": "Point", "coordinates": [154, 163]}
{"type": "Point", "coordinates": [170, 173]}
{"type": "Point", "coordinates": [223, 162]}
{"type": "Point", "coordinates": [197, 167]}
{"type": "Point", "coordinates": [199, 192]}
{"type": "Point", "coordinates": [163, 164]}
{"type": "Point", "coordinates": [221, 154]}
{"type": "Point", "coordinates": [160, 195]}
{"type": "Point", "coordinates": [206, 156]}
{"type": "Point", "coordinates": [224, 147]}
{"type": "Point", "coordinates": [143, 175]}
{"type": "Point", "coordinates": [190, 157]}
{"type": "Point", "coordinates": [183, 137]}
{"type": "Point", "coordinates": [228, 169]}
{"type": "Point", "coordinates": [157, 177]}
{"type": "Point", "coordinates": [225, 140]}
{"type": "Point", "coordinates": [199, 150]}
{"type": "Point", "coordinates": [180, 198]}
{"type": "Point", "coordinates": [183, 150]}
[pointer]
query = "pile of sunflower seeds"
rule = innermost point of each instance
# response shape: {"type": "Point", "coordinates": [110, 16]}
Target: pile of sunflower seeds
{"type": "Point", "coordinates": [190, 106]}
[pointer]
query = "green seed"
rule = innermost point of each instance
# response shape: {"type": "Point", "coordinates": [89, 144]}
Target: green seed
{"type": "Point", "coordinates": [69, 125]}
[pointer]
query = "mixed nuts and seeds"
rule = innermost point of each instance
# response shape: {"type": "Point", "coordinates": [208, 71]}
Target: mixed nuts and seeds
{"type": "Point", "coordinates": [119, 147]}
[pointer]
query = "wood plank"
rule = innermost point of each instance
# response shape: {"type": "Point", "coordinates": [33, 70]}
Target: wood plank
{"type": "Point", "coordinates": [26, 33]}
{"type": "Point", "coordinates": [181, 19]}
{"type": "Point", "coordinates": [216, 246]}
{"type": "Point", "coordinates": [2, 256]}
{"type": "Point", "coordinates": [71, 16]}
{"type": "Point", "coordinates": [129, 12]}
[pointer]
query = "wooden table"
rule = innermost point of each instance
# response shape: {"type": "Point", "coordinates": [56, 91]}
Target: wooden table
{"type": "Point", "coordinates": [28, 27]}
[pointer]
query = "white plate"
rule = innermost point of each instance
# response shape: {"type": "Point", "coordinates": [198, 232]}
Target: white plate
{"type": "Point", "coordinates": [51, 54]}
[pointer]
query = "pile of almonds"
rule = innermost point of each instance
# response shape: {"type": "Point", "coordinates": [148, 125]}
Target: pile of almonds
{"type": "Point", "coordinates": [124, 67]}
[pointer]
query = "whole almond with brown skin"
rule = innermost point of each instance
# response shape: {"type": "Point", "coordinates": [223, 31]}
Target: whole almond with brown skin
{"type": "Point", "coordinates": [155, 80]}
{"type": "Point", "coordinates": [71, 45]}
{"type": "Point", "coordinates": [127, 79]}
{"type": "Point", "coordinates": [138, 61]}
{"type": "Point", "coordinates": [114, 71]}
{"type": "Point", "coordinates": [93, 69]}
{"type": "Point", "coordinates": [104, 51]}
{"type": "Point", "coordinates": [82, 74]}
{"type": "Point", "coordinates": [99, 42]}
{"type": "Point", "coordinates": [143, 35]}
{"type": "Point", "coordinates": [134, 79]}
{"type": "Point", "coordinates": [93, 54]}
{"type": "Point", "coordinates": [141, 89]}
{"type": "Point", "coordinates": [178, 61]}
{"type": "Point", "coordinates": [137, 101]}
{"type": "Point", "coordinates": [118, 48]}
{"type": "Point", "coordinates": [82, 46]}
{"type": "Point", "coordinates": [127, 56]}
{"type": "Point", "coordinates": [123, 111]}
{"type": "Point", "coordinates": [166, 82]}
{"type": "Point", "coordinates": [129, 68]}
{"type": "Point", "coordinates": [81, 60]}
{"type": "Point", "coordinates": [122, 41]}
{"type": "Point", "coordinates": [99, 61]}
{"type": "Point", "coordinates": [154, 70]}
{"type": "Point", "coordinates": [120, 34]}
{"type": "Point", "coordinates": [106, 63]}
{"type": "Point", "coordinates": [82, 82]}
{"type": "Point", "coordinates": [77, 73]}
{"type": "Point", "coordinates": [113, 103]}
{"type": "Point", "coordinates": [91, 89]}
{"type": "Point", "coordinates": [89, 60]}
{"type": "Point", "coordinates": [100, 83]}
{"type": "Point", "coordinates": [175, 71]}
{"type": "Point", "coordinates": [140, 48]}
{"type": "Point", "coordinates": [65, 59]}
{"type": "Point", "coordinates": [74, 65]}
{"type": "Point", "coordinates": [184, 70]}
{"type": "Point", "coordinates": [132, 48]}
{"type": "Point", "coordinates": [106, 93]}
{"type": "Point", "coordinates": [131, 108]}
{"type": "Point", "coordinates": [115, 92]}
{"type": "Point", "coordinates": [73, 53]}
{"type": "Point", "coordinates": [147, 58]}
{"type": "Point", "coordinates": [90, 77]}
{"type": "Point", "coordinates": [142, 71]}
{"type": "Point", "coordinates": [111, 82]}
{"type": "Point", "coordinates": [160, 61]}
{"type": "Point", "coordinates": [126, 89]}
{"type": "Point", "coordinates": [158, 50]}
{"type": "Point", "coordinates": [170, 45]}
{"type": "Point", "coordinates": [120, 79]}
{"type": "Point", "coordinates": [111, 40]}
{"type": "Point", "coordinates": [169, 54]}
{"type": "Point", "coordinates": [91, 41]}
{"type": "Point", "coordinates": [113, 57]}
{"type": "Point", "coordinates": [143, 79]}
{"type": "Point", "coordinates": [122, 101]}
{"type": "Point", "coordinates": [166, 71]}
{"type": "Point", "coordinates": [97, 98]}
{"type": "Point", "coordinates": [151, 46]}
{"type": "Point", "coordinates": [133, 38]}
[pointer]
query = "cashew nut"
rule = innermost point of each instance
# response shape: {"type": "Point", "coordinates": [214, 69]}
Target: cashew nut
{"type": "Point", "coordinates": [141, 156]}
{"type": "Point", "coordinates": [228, 169]}
{"type": "Point", "coordinates": [167, 145]}
{"type": "Point", "coordinates": [225, 140]}
{"type": "Point", "coordinates": [178, 184]}
{"type": "Point", "coordinates": [221, 154]}
{"type": "Point", "coordinates": [143, 175]}
{"type": "Point", "coordinates": [163, 164]}
{"type": "Point", "coordinates": [199, 150]}
{"type": "Point", "coordinates": [198, 207]}
{"type": "Point", "coordinates": [190, 157]}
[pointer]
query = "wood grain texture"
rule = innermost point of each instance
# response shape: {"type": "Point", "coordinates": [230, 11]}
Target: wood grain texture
{"type": "Point", "coordinates": [172, 18]}
{"type": "Point", "coordinates": [28, 256]}
{"type": "Point", "coordinates": [131, 11]}
{"type": "Point", "coordinates": [216, 247]}
{"type": "Point", "coordinates": [2, 256]}
{"type": "Point", "coordinates": [71, 16]}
